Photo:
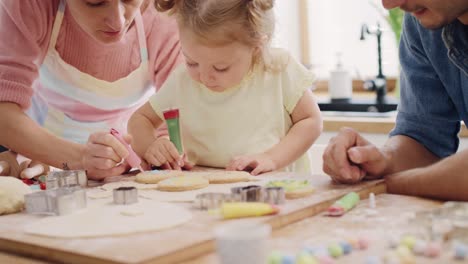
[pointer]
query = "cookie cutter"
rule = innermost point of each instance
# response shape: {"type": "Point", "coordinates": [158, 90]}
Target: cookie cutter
{"type": "Point", "coordinates": [250, 193]}
{"type": "Point", "coordinates": [59, 201]}
{"type": "Point", "coordinates": [59, 179]}
{"type": "Point", "coordinates": [125, 195]}
{"type": "Point", "coordinates": [274, 195]}
{"type": "Point", "coordinates": [208, 201]}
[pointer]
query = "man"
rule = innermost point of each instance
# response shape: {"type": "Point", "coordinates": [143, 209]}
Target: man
{"type": "Point", "coordinates": [419, 157]}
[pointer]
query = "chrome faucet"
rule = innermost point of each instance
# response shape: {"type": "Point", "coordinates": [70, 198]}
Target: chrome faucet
{"type": "Point", "coordinates": [379, 83]}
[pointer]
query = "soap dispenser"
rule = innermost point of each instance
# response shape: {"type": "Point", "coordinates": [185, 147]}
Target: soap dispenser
{"type": "Point", "coordinates": [340, 85]}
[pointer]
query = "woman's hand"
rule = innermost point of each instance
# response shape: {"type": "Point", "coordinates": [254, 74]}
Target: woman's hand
{"type": "Point", "coordinates": [258, 163]}
{"type": "Point", "coordinates": [103, 156]}
{"type": "Point", "coordinates": [163, 153]}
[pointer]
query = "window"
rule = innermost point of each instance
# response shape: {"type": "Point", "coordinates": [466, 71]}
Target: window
{"type": "Point", "coordinates": [314, 31]}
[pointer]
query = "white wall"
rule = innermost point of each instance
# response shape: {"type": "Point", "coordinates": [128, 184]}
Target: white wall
{"type": "Point", "coordinates": [287, 32]}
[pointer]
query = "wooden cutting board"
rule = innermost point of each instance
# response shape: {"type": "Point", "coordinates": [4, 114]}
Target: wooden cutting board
{"type": "Point", "coordinates": [168, 246]}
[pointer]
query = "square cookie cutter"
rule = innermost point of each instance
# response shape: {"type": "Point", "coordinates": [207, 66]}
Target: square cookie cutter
{"type": "Point", "coordinates": [63, 195]}
{"type": "Point", "coordinates": [59, 201]}
{"type": "Point", "coordinates": [58, 179]}
{"type": "Point", "coordinates": [250, 193]}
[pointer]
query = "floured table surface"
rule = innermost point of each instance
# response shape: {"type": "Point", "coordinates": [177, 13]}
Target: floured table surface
{"type": "Point", "coordinates": [394, 213]}
{"type": "Point", "coordinates": [166, 246]}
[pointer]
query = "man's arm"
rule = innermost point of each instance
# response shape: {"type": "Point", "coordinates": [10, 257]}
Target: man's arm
{"type": "Point", "coordinates": [445, 180]}
{"type": "Point", "coordinates": [405, 153]}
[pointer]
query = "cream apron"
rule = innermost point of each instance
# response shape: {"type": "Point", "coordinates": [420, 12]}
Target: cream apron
{"type": "Point", "coordinates": [72, 104]}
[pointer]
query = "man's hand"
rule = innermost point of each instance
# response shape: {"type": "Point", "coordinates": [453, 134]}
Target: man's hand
{"type": "Point", "coordinates": [349, 158]}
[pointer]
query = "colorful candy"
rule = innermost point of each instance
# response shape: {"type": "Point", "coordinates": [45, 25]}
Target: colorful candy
{"type": "Point", "coordinates": [325, 259]}
{"type": "Point", "coordinates": [288, 259]}
{"type": "Point", "coordinates": [335, 250]}
{"type": "Point", "coordinates": [461, 250]}
{"type": "Point", "coordinates": [408, 241]}
{"type": "Point", "coordinates": [275, 257]}
{"type": "Point", "coordinates": [363, 243]}
{"type": "Point", "coordinates": [432, 250]}
{"type": "Point", "coordinates": [344, 204]}
{"type": "Point", "coordinates": [347, 248]}
{"type": "Point", "coordinates": [306, 258]}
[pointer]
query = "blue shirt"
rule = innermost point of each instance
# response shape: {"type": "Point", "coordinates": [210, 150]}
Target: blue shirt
{"type": "Point", "coordinates": [434, 85]}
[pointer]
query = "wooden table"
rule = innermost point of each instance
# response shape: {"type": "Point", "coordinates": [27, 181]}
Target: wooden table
{"type": "Point", "coordinates": [393, 214]}
{"type": "Point", "coordinates": [168, 246]}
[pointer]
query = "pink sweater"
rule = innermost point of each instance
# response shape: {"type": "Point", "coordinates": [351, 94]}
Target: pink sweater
{"type": "Point", "coordinates": [25, 29]}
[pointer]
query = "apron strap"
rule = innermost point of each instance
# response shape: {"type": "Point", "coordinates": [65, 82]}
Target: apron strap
{"type": "Point", "coordinates": [57, 24]}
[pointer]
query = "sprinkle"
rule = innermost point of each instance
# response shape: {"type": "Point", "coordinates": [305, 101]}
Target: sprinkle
{"type": "Point", "coordinates": [461, 250]}
{"type": "Point", "coordinates": [403, 251]}
{"type": "Point", "coordinates": [335, 250]}
{"type": "Point", "coordinates": [288, 259]}
{"type": "Point", "coordinates": [432, 250]}
{"type": "Point", "coordinates": [305, 258]}
{"type": "Point", "coordinates": [325, 260]}
{"type": "Point", "coordinates": [353, 242]}
{"type": "Point", "coordinates": [274, 258]}
{"type": "Point", "coordinates": [347, 248]}
{"type": "Point", "coordinates": [35, 187]}
{"type": "Point", "coordinates": [363, 243]}
{"type": "Point", "coordinates": [408, 241]}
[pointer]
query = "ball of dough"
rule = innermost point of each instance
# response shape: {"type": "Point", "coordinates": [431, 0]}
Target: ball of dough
{"type": "Point", "coordinates": [12, 193]}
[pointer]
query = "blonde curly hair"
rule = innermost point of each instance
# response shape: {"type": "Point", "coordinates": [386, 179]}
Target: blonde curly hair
{"type": "Point", "coordinates": [219, 22]}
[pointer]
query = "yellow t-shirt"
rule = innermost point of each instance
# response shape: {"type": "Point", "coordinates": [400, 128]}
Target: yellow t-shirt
{"type": "Point", "coordinates": [249, 118]}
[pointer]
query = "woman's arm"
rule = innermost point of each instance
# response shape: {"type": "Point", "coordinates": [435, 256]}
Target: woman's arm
{"type": "Point", "coordinates": [23, 135]}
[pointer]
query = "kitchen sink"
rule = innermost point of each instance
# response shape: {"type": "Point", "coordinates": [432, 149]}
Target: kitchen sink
{"type": "Point", "coordinates": [358, 105]}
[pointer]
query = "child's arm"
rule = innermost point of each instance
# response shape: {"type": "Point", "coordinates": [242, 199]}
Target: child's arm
{"type": "Point", "coordinates": [307, 126]}
{"type": "Point", "coordinates": [158, 151]}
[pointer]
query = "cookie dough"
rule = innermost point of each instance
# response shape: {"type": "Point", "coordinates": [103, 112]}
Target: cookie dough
{"type": "Point", "coordinates": [218, 177]}
{"type": "Point", "coordinates": [183, 183]}
{"type": "Point", "coordinates": [12, 193]}
{"type": "Point", "coordinates": [156, 176]}
{"type": "Point", "coordinates": [294, 189]}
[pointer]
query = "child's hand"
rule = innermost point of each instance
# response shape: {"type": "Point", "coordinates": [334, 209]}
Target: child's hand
{"type": "Point", "coordinates": [259, 163]}
{"type": "Point", "coordinates": [163, 153]}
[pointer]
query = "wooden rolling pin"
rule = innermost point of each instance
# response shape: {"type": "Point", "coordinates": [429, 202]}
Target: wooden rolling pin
{"type": "Point", "coordinates": [10, 165]}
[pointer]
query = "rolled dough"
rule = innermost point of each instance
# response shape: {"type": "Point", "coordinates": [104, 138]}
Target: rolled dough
{"type": "Point", "coordinates": [111, 220]}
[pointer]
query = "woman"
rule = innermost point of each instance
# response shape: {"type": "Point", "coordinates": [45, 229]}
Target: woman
{"type": "Point", "coordinates": [72, 69]}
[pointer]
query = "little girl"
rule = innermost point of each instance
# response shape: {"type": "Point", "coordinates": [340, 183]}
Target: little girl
{"type": "Point", "coordinates": [243, 105]}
